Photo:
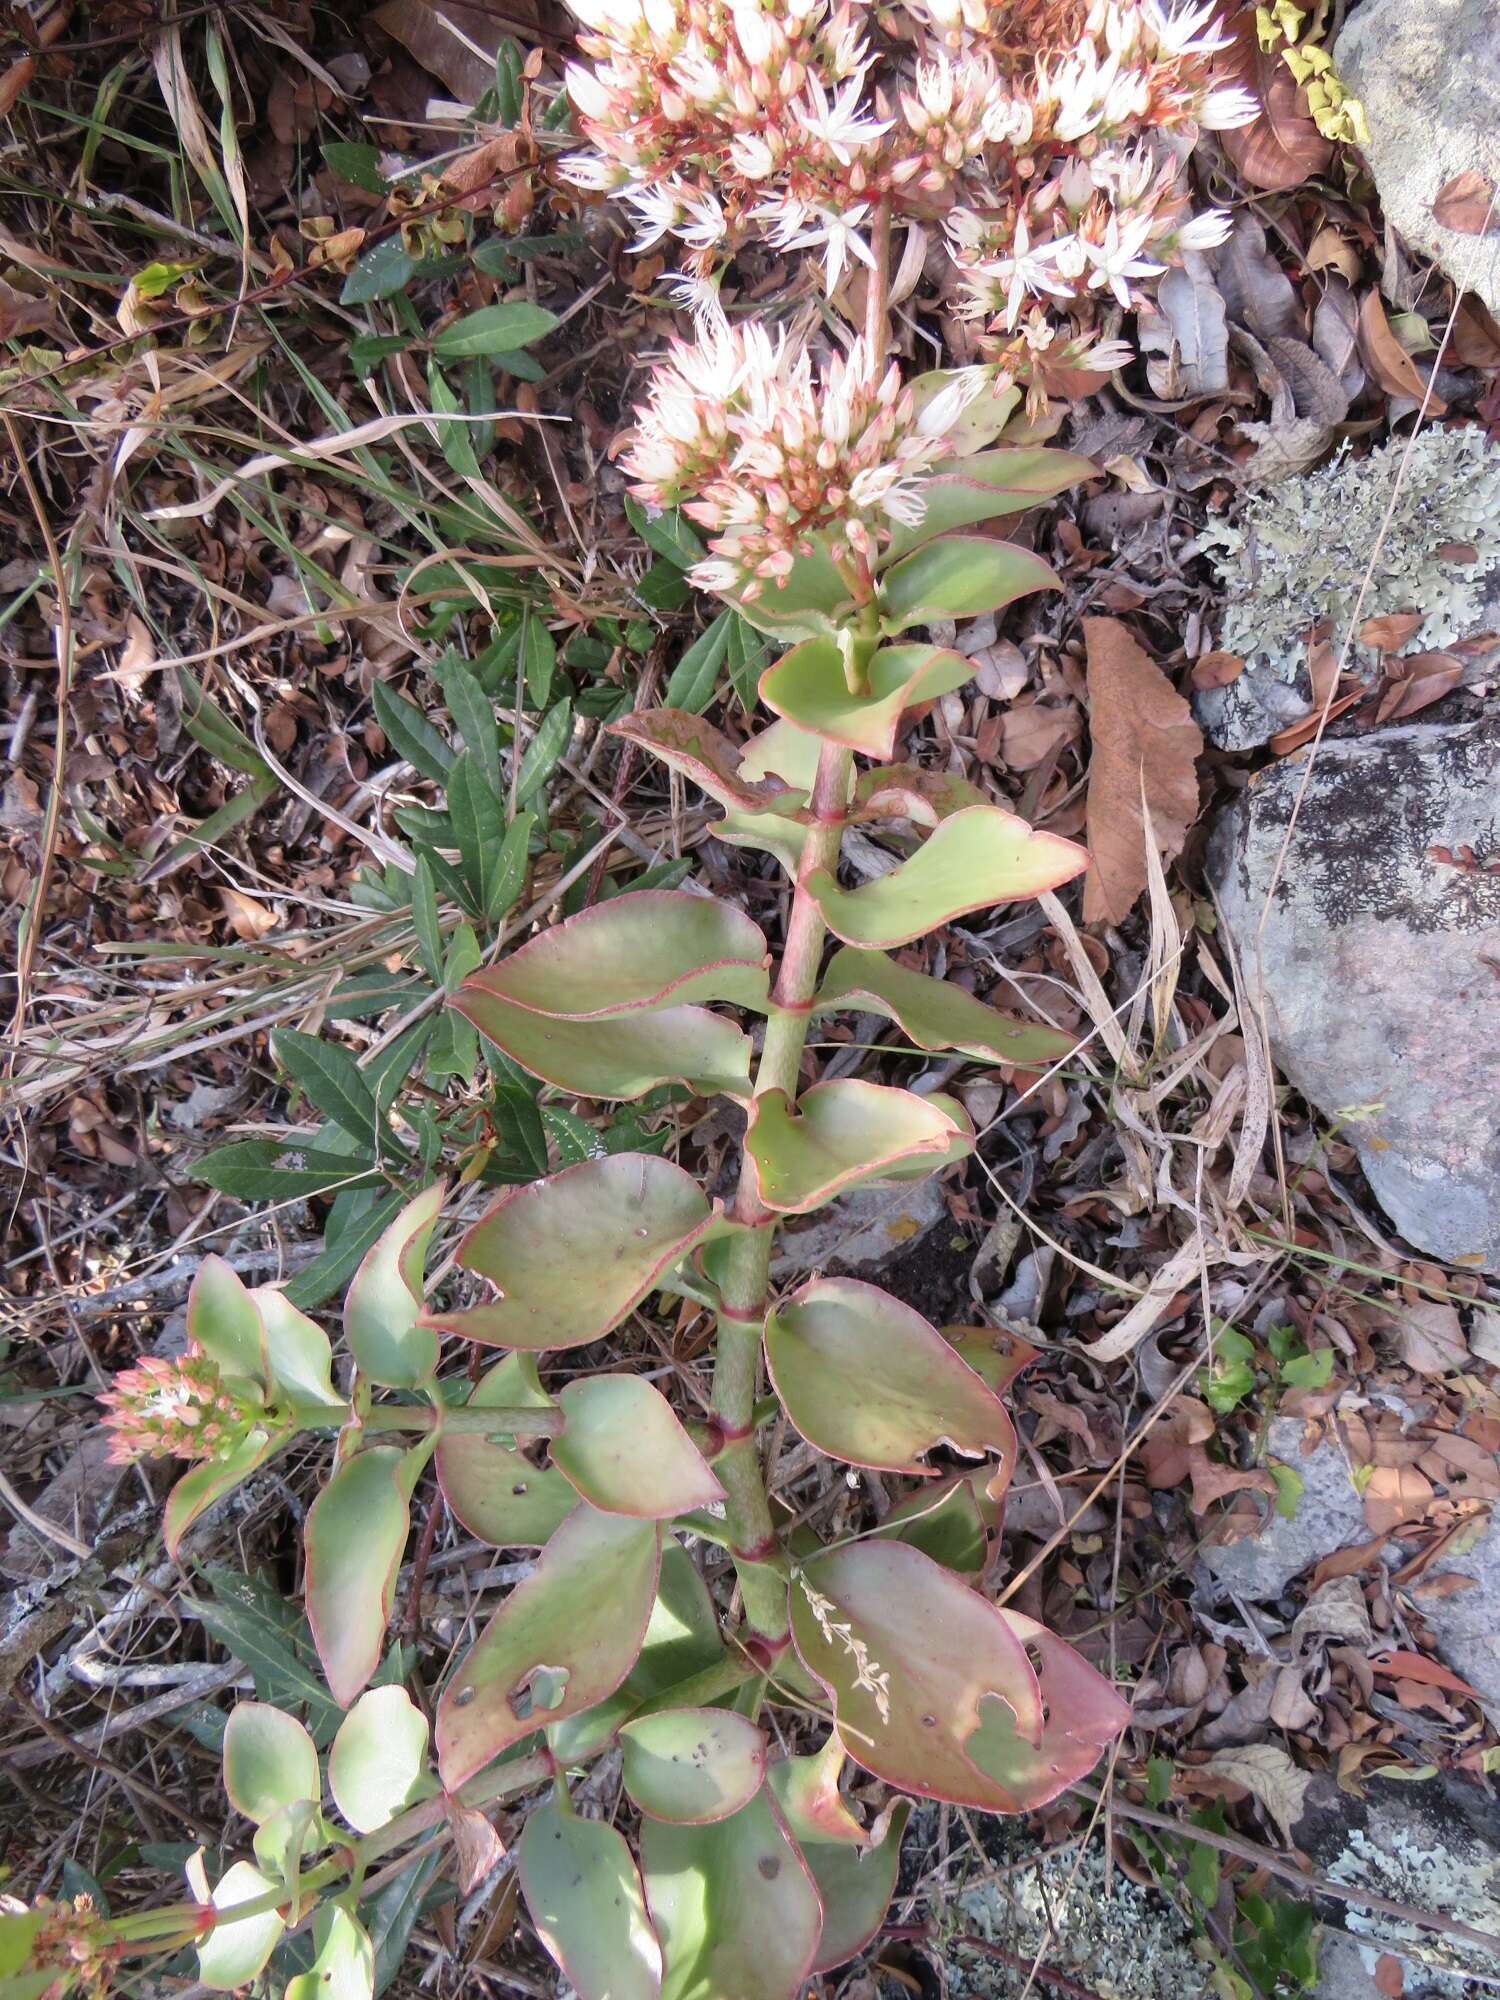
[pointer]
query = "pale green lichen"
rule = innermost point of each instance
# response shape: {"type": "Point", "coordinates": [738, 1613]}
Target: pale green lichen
{"type": "Point", "coordinates": [1428, 1865]}
{"type": "Point", "coordinates": [1299, 553]}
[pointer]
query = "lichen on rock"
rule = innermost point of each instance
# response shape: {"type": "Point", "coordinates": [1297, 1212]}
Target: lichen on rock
{"type": "Point", "coordinates": [1298, 556]}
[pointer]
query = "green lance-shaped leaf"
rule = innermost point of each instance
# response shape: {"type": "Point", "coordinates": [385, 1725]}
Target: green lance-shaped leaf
{"type": "Point", "coordinates": [269, 1760]}
{"type": "Point", "coordinates": [865, 1378]}
{"type": "Point", "coordinates": [573, 1254]}
{"type": "Point", "coordinates": [809, 686]}
{"type": "Point", "coordinates": [344, 1966]}
{"type": "Point", "coordinates": [356, 1532]}
{"type": "Point", "coordinates": [839, 1134]}
{"type": "Point", "coordinates": [657, 948]}
{"type": "Point", "coordinates": [682, 1639]}
{"type": "Point", "coordinates": [235, 1951]}
{"type": "Point", "coordinates": [626, 1453]}
{"type": "Point", "coordinates": [961, 576]}
{"type": "Point", "coordinates": [493, 330]}
{"type": "Point", "coordinates": [562, 1640]}
{"type": "Point", "coordinates": [934, 1013]}
{"type": "Point", "coordinates": [964, 491]}
{"type": "Point", "coordinates": [693, 1765]}
{"type": "Point", "coordinates": [381, 1323]}
{"type": "Point", "coordinates": [855, 1871]}
{"type": "Point", "coordinates": [734, 1904]}
{"type": "Point", "coordinates": [298, 1356]}
{"type": "Point", "coordinates": [1084, 1715]}
{"type": "Point", "coordinates": [497, 1493]}
{"type": "Point", "coordinates": [379, 1758]}
{"type": "Point", "coordinates": [222, 1321]}
{"type": "Point", "coordinates": [920, 1669]}
{"type": "Point", "coordinates": [584, 1895]}
{"type": "Point", "coordinates": [621, 1058]}
{"type": "Point", "coordinates": [706, 757]}
{"type": "Point", "coordinates": [198, 1489]}
{"type": "Point", "coordinates": [969, 862]}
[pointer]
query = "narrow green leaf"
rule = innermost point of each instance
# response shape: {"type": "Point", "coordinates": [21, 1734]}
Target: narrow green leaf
{"type": "Point", "coordinates": [668, 533]}
{"type": "Point", "coordinates": [539, 661]}
{"type": "Point", "coordinates": [425, 920]}
{"type": "Point", "coordinates": [479, 831]}
{"type": "Point", "coordinates": [268, 1170]}
{"type": "Point", "coordinates": [696, 675]}
{"type": "Point", "coordinates": [411, 735]}
{"type": "Point", "coordinates": [329, 1078]}
{"type": "Point", "coordinates": [330, 1272]}
{"type": "Point", "coordinates": [382, 271]}
{"type": "Point", "coordinates": [474, 713]}
{"type": "Point", "coordinates": [545, 751]}
{"type": "Point", "coordinates": [492, 329]}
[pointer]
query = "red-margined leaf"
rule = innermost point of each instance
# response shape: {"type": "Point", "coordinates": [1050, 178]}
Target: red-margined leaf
{"type": "Point", "coordinates": [381, 1323]}
{"type": "Point", "coordinates": [621, 1058]}
{"type": "Point", "coordinates": [299, 1359]}
{"type": "Point", "coordinates": [705, 757]}
{"type": "Point", "coordinates": [998, 1357]}
{"type": "Point", "coordinates": [921, 1670]}
{"type": "Point", "coordinates": [656, 948]}
{"type": "Point", "coordinates": [573, 1254]}
{"type": "Point", "coordinates": [855, 1871]}
{"type": "Point", "coordinates": [223, 1323]}
{"type": "Point", "coordinates": [199, 1488]}
{"type": "Point", "coordinates": [693, 1765]}
{"type": "Point", "coordinates": [497, 1493]}
{"type": "Point", "coordinates": [961, 493]}
{"type": "Point", "coordinates": [961, 576]}
{"type": "Point", "coordinates": [934, 1013]}
{"type": "Point", "coordinates": [1084, 1715]}
{"type": "Point", "coordinates": [734, 1905]}
{"type": "Point", "coordinates": [626, 1453]}
{"type": "Point", "coordinates": [236, 1949]}
{"type": "Point", "coordinates": [969, 862]}
{"type": "Point", "coordinates": [809, 686]}
{"type": "Point", "coordinates": [269, 1760]}
{"type": "Point", "coordinates": [584, 1895]}
{"type": "Point", "coordinates": [844, 1132]}
{"type": "Point", "coordinates": [378, 1758]}
{"type": "Point", "coordinates": [803, 604]}
{"type": "Point", "coordinates": [561, 1641]}
{"type": "Point", "coordinates": [356, 1532]}
{"type": "Point", "coordinates": [908, 791]}
{"type": "Point", "coordinates": [865, 1378]}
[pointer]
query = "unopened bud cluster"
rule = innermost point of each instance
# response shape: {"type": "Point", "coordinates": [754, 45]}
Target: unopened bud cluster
{"type": "Point", "coordinates": [176, 1409]}
{"type": "Point", "coordinates": [74, 1944]}
{"type": "Point", "coordinates": [766, 452]}
{"type": "Point", "coordinates": [1046, 134]}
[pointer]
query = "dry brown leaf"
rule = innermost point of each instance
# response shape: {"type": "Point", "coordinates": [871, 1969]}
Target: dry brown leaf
{"type": "Point", "coordinates": [1281, 148]}
{"type": "Point", "coordinates": [1466, 203]}
{"type": "Point", "coordinates": [1031, 732]}
{"type": "Point", "coordinates": [1216, 670]}
{"type": "Point", "coordinates": [1144, 740]}
{"type": "Point", "coordinates": [1475, 342]}
{"type": "Point", "coordinates": [461, 50]}
{"type": "Point", "coordinates": [1329, 251]}
{"type": "Point", "coordinates": [1388, 361]}
{"type": "Point", "coordinates": [138, 656]}
{"type": "Point", "coordinates": [248, 919]}
{"type": "Point", "coordinates": [1417, 682]}
{"type": "Point", "coordinates": [1390, 632]}
{"type": "Point", "coordinates": [1395, 1494]}
{"type": "Point", "coordinates": [1432, 1340]}
{"type": "Point", "coordinates": [477, 1846]}
{"type": "Point", "coordinates": [1390, 1976]}
{"type": "Point", "coordinates": [1266, 1770]}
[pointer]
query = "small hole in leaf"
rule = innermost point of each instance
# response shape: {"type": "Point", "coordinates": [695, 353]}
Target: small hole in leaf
{"type": "Point", "coordinates": [929, 1722]}
{"type": "Point", "coordinates": [769, 1866]}
{"type": "Point", "coordinates": [463, 1697]}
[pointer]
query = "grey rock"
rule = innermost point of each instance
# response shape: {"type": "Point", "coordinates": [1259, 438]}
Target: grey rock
{"type": "Point", "coordinates": [1428, 75]}
{"type": "Point", "coordinates": [1329, 1515]}
{"type": "Point", "coordinates": [1378, 966]}
{"type": "Point", "coordinates": [861, 1232]}
{"type": "Point", "coordinates": [1466, 1625]}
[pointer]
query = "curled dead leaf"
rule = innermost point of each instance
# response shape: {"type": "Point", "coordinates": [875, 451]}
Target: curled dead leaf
{"type": "Point", "coordinates": [1466, 203]}
{"type": "Point", "coordinates": [1216, 670]}
{"type": "Point", "coordinates": [1266, 1770]}
{"type": "Point", "coordinates": [1388, 361]}
{"type": "Point", "coordinates": [1417, 682]}
{"type": "Point", "coordinates": [1283, 147]}
{"type": "Point", "coordinates": [1389, 633]}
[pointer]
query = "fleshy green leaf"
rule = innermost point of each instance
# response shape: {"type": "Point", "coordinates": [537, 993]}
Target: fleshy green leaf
{"type": "Point", "coordinates": [355, 1534]}
{"type": "Point", "coordinates": [562, 1640]}
{"type": "Point", "coordinates": [210, 1480]}
{"type": "Point", "coordinates": [839, 1134]}
{"type": "Point", "coordinates": [344, 1968]}
{"type": "Point", "coordinates": [572, 1255]}
{"type": "Point", "coordinates": [378, 1757]}
{"type": "Point", "coordinates": [626, 1453]}
{"type": "Point", "coordinates": [949, 1522]}
{"type": "Point", "coordinates": [693, 1765]}
{"type": "Point", "coordinates": [865, 1378]}
{"type": "Point", "coordinates": [493, 330]}
{"type": "Point", "coordinates": [964, 491]}
{"type": "Point", "coordinates": [971, 862]}
{"type": "Point", "coordinates": [808, 686]}
{"type": "Point", "coordinates": [298, 1355]}
{"type": "Point", "coordinates": [497, 1493]}
{"type": "Point", "coordinates": [621, 1058]}
{"type": "Point", "coordinates": [932, 1686]}
{"type": "Point", "coordinates": [651, 949]}
{"type": "Point", "coordinates": [584, 1897]}
{"type": "Point", "coordinates": [269, 1760]}
{"type": "Point", "coordinates": [236, 1950]}
{"type": "Point", "coordinates": [734, 1906]}
{"type": "Point", "coordinates": [934, 1013]}
{"type": "Point", "coordinates": [982, 418]}
{"type": "Point", "coordinates": [704, 755]}
{"type": "Point", "coordinates": [855, 1871]}
{"type": "Point", "coordinates": [806, 603]}
{"type": "Point", "coordinates": [223, 1322]}
{"type": "Point", "coordinates": [381, 1309]}
{"type": "Point", "coordinates": [959, 577]}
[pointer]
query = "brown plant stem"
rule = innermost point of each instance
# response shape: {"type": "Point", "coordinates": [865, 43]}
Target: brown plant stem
{"type": "Point", "coordinates": [752, 1536]}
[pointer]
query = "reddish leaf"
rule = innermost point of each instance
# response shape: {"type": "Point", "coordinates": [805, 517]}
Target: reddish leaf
{"type": "Point", "coordinates": [1466, 203]}
{"type": "Point", "coordinates": [1403, 1666]}
{"type": "Point", "coordinates": [1388, 361]}
{"type": "Point", "coordinates": [1283, 147]}
{"type": "Point", "coordinates": [1216, 670]}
